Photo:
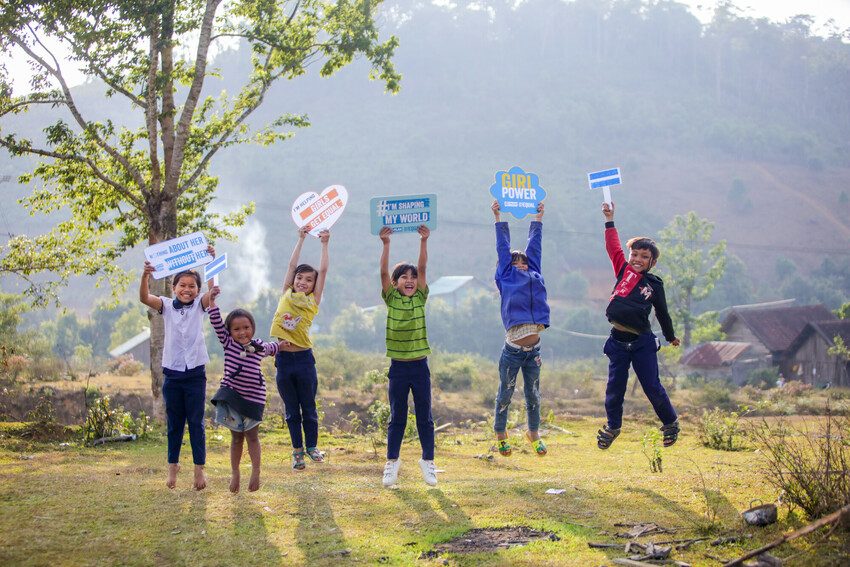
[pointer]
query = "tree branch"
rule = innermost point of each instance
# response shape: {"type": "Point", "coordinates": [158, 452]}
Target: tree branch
{"type": "Point", "coordinates": [173, 173]}
{"type": "Point", "coordinates": [151, 109]}
{"type": "Point", "coordinates": [124, 191]}
{"type": "Point", "coordinates": [29, 102]}
{"type": "Point", "coordinates": [57, 72]}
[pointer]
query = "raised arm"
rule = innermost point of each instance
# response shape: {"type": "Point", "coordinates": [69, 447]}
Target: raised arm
{"type": "Point", "coordinates": [205, 299]}
{"type": "Point", "coordinates": [145, 296]}
{"type": "Point", "coordinates": [534, 248]}
{"type": "Point", "coordinates": [503, 239]}
{"type": "Point", "coordinates": [324, 237]}
{"type": "Point", "coordinates": [293, 260]}
{"type": "Point", "coordinates": [215, 317]}
{"type": "Point", "coordinates": [422, 264]}
{"type": "Point", "coordinates": [612, 239]}
{"type": "Point", "coordinates": [386, 282]}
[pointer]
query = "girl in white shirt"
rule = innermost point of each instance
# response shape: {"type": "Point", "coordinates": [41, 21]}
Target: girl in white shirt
{"type": "Point", "coordinates": [184, 355]}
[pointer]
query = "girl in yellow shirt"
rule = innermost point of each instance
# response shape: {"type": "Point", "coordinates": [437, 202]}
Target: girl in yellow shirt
{"type": "Point", "coordinates": [296, 376]}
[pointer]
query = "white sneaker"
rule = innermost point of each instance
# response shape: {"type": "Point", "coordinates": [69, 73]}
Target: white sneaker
{"type": "Point", "coordinates": [391, 472]}
{"type": "Point", "coordinates": [429, 472]}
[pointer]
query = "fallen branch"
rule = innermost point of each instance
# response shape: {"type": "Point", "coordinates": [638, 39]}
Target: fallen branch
{"type": "Point", "coordinates": [730, 539]}
{"type": "Point", "coordinates": [826, 520]}
{"type": "Point", "coordinates": [436, 429]}
{"type": "Point", "coordinates": [113, 439]}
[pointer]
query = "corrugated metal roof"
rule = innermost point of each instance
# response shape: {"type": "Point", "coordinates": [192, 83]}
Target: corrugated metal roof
{"type": "Point", "coordinates": [714, 354]}
{"type": "Point", "coordinates": [828, 330]}
{"type": "Point", "coordinates": [131, 344]}
{"type": "Point", "coordinates": [448, 284]}
{"type": "Point", "coordinates": [777, 327]}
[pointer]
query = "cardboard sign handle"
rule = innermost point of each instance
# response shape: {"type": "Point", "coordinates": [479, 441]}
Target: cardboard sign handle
{"type": "Point", "coordinates": [606, 194]}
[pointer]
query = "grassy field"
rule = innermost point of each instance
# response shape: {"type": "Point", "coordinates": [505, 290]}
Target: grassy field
{"type": "Point", "coordinates": [109, 505]}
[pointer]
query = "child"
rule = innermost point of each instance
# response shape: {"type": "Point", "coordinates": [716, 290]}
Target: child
{"type": "Point", "coordinates": [632, 341]}
{"type": "Point", "coordinates": [184, 355]}
{"type": "Point", "coordinates": [296, 377]}
{"type": "Point", "coordinates": [241, 398]}
{"type": "Point", "coordinates": [525, 315]}
{"type": "Point", "coordinates": [405, 293]}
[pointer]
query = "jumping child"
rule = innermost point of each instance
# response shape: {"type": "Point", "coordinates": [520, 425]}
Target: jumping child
{"type": "Point", "coordinates": [525, 314]}
{"type": "Point", "coordinates": [241, 397]}
{"type": "Point", "coordinates": [405, 293]}
{"type": "Point", "coordinates": [632, 341]}
{"type": "Point", "coordinates": [296, 376]}
{"type": "Point", "coordinates": [184, 355]}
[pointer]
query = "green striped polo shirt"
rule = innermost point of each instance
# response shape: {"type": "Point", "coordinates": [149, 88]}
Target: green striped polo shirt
{"type": "Point", "coordinates": [407, 337]}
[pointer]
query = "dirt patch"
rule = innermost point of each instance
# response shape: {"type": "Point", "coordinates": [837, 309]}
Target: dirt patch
{"type": "Point", "coordinates": [490, 539]}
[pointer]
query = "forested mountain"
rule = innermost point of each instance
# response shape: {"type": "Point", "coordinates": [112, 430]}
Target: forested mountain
{"type": "Point", "coordinates": [745, 121]}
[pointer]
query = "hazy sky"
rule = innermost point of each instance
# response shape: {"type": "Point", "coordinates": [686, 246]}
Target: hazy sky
{"type": "Point", "coordinates": [777, 10]}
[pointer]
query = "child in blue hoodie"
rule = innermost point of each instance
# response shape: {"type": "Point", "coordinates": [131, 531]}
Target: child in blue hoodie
{"type": "Point", "coordinates": [525, 314]}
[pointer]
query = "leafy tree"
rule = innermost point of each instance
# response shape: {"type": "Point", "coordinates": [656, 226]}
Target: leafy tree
{"type": "Point", "coordinates": [129, 324]}
{"type": "Point", "coordinates": [691, 264]}
{"type": "Point", "coordinates": [120, 185]}
{"type": "Point", "coordinates": [11, 308]}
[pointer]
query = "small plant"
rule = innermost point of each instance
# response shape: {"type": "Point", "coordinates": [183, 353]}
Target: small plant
{"type": "Point", "coordinates": [355, 424]}
{"type": "Point", "coordinates": [379, 414]}
{"type": "Point", "coordinates": [763, 378]}
{"type": "Point", "coordinates": [651, 447]}
{"type": "Point", "coordinates": [372, 378]}
{"type": "Point", "coordinates": [715, 394]}
{"type": "Point", "coordinates": [811, 470]}
{"type": "Point", "coordinates": [128, 366]}
{"type": "Point", "coordinates": [101, 421]}
{"type": "Point", "coordinates": [720, 429]}
{"type": "Point", "coordinates": [41, 420]}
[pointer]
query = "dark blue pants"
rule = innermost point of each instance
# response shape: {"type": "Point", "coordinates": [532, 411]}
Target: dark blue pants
{"type": "Point", "coordinates": [297, 384]}
{"type": "Point", "coordinates": [184, 394]}
{"type": "Point", "coordinates": [406, 376]}
{"type": "Point", "coordinates": [641, 355]}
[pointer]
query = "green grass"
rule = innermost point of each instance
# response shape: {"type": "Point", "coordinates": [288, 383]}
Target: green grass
{"type": "Point", "coordinates": [109, 505]}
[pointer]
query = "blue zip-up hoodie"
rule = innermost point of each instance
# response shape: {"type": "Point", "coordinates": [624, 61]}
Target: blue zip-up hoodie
{"type": "Point", "coordinates": [523, 292]}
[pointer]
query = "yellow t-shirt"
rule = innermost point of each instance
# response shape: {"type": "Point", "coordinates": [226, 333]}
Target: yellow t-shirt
{"type": "Point", "coordinates": [294, 317]}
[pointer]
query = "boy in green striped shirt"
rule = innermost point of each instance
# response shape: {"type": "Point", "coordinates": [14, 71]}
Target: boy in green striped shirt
{"type": "Point", "coordinates": [405, 293]}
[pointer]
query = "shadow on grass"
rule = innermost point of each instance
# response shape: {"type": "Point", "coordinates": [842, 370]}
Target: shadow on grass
{"type": "Point", "coordinates": [250, 519]}
{"type": "Point", "coordinates": [317, 533]}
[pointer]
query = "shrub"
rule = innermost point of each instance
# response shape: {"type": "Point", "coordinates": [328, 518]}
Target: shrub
{"type": "Point", "coordinates": [15, 365]}
{"type": "Point", "coordinates": [102, 420]}
{"type": "Point", "coordinates": [810, 470]}
{"type": "Point", "coordinates": [372, 378]}
{"type": "Point", "coordinates": [455, 375]}
{"type": "Point", "coordinates": [128, 366]}
{"type": "Point", "coordinates": [715, 394]}
{"type": "Point", "coordinates": [720, 430]}
{"type": "Point", "coordinates": [651, 449]}
{"type": "Point", "coordinates": [763, 378]}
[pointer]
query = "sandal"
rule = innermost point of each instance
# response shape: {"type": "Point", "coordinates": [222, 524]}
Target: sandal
{"type": "Point", "coordinates": [298, 460]}
{"type": "Point", "coordinates": [606, 436]}
{"type": "Point", "coordinates": [315, 455]}
{"type": "Point", "coordinates": [671, 433]}
{"type": "Point", "coordinates": [504, 447]}
{"type": "Point", "coordinates": [538, 445]}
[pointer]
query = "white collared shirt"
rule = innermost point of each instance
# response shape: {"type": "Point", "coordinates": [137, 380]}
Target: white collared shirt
{"type": "Point", "coordinates": [184, 347]}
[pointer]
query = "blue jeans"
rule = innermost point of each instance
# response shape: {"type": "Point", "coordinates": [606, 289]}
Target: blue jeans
{"type": "Point", "coordinates": [406, 376]}
{"type": "Point", "coordinates": [297, 384]}
{"type": "Point", "coordinates": [512, 360]}
{"type": "Point", "coordinates": [184, 393]}
{"type": "Point", "coordinates": [641, 355]}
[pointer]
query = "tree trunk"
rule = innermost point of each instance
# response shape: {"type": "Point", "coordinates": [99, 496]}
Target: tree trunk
{"type": "Point", "coordinates": [164, 227]}
{"type": "Point", "coordinates": [688, 323]}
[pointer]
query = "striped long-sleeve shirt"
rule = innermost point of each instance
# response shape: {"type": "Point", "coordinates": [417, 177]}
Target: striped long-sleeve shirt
{"type": "Point", "coordinates": [241, 368]}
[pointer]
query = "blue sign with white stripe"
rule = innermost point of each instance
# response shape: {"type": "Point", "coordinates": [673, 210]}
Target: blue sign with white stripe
{"type": "Point", "coordinates": [604, 178]}
{"type": "Point", "coordinates": [215, 267]}
{"type": "Point", "coordinates": [403, 213]}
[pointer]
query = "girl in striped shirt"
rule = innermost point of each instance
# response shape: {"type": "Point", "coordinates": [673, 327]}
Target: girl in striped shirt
{"type": "Point", "coordinates": [241, 398]}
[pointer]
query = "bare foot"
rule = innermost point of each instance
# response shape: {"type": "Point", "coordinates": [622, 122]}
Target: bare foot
{"type": "Point", "coordinates": [501, 435]}
{"type": "Point", "coordinates": [234, 481]}
{"type": "Point", "coordinates": [254, 483]}
{"type": "Point", "coordinates": [200, 478]}
{"type": "Point", "coordinates": [173, 469]}
{"type": "Point", "coordinates": [532, 435]}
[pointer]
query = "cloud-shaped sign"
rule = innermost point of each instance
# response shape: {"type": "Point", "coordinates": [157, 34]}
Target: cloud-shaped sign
{"type": "Point", "coordinates": [518, 192]}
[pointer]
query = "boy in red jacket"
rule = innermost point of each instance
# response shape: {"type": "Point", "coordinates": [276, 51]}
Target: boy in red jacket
{"type": "Point", "coordinates": [632, 341]}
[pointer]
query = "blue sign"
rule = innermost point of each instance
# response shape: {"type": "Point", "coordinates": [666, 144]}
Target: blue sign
{"type": "Point", "coordinates": [215, 267]}
{"type": "Point", "coordinates": [403, 213]}
{"type": "Point", "coordinates": [518, 192]}
{"type": "Point", "coordinates": [604, 178]}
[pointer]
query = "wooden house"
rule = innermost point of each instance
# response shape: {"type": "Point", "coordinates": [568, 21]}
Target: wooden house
{"type": "Point", "coordinates": [771, 328]}
{"type": "Point", "coordinates": [721, 360]}
{"type": "Point", "coordinates": [809, 359]}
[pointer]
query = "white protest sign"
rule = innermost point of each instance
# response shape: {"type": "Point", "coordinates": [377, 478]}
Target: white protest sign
{"type": "Point", "coordinates": [605, 179]}
{"type": "Point", "coordinates": [178, 254]}
{"type": "Point", "coordinates": [319, 211]}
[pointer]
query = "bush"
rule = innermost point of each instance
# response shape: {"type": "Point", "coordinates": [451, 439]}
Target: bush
{"type": "Point", "coordinates": [455, 375]}
{"type": "Point", "coordinates": [763, 378]}
{"type": "Point", "coordinates": [128, 366]}
{"type": "Point", "coordinates": [715, 394]}
{"type": "Point", "coordinates": [16, 365]}
{"type": "Point", "coordinates": [102, 420]}
{"type": "Point", "coordinates": [720, 430]}
{"type": "Point", "coordinates": [372, 378]}
{"type": "Point", "coordinates": [810, 470]}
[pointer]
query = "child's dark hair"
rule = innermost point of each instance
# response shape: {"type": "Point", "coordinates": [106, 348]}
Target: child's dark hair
{"type": "Point", "coordinates": [302, 268]}
{"type": "Point", "coordinates": [517, 255]}
{"type": "Point", "coordinates": [403, 268]}
{"type": "Point", "coordinates": [186, 273]}
{"type": "Point", "coordinates": [644, 243]}
{"type": "Point", "coordinates": [236, 313]}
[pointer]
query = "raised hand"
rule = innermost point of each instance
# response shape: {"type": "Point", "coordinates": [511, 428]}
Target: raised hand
{"type": "Point", "coordinates": [324, 236]}
{"type": "Point", "coordinates": [385, 234]}
{"type": "Point", "coordinates": [424, 232]}
{"type": "Point", "coordinates": [608, 211]}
